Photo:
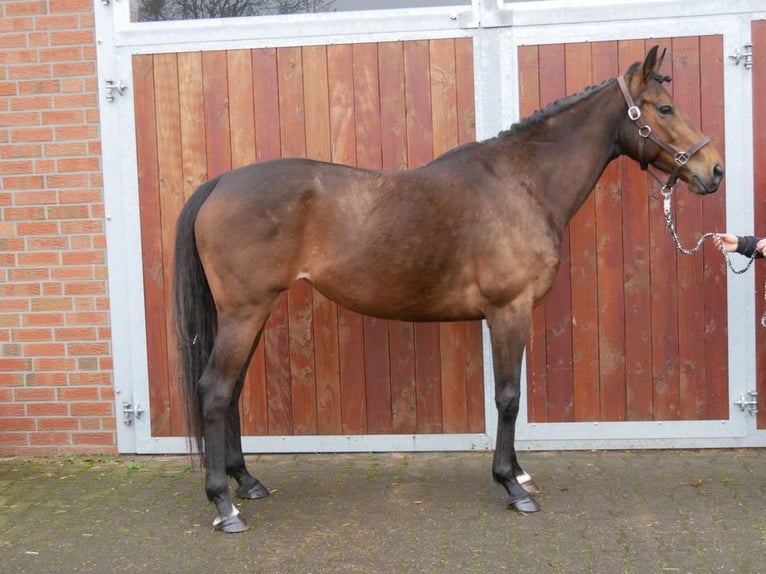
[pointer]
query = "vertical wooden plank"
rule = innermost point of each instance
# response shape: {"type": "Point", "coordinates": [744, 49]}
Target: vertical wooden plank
{"type": "Point", "coordinates": [253, 404]}
{"type": "Point", "coordinates": [368, 156]}
{"type": "Point", "coordinates": [194, 153]}
{"type": "Point", "coordinates": [716, 355]}
{"type": "Point", "coordinates": [420, 151]}
{"type": "Point", "coordinates": [558, 305]}
{"type": "Point", "coordinates": [466, 130]}
{"type": "Point", "coordinates": [326, 352]}
{"type": "Point", "coordinates": [635, 218]}
{"type": "Point", "coordinates": [151, 246]}
{"type": "Point", "coordinates": [758, 29]}
{"type": "Point", "coordinates": [299, 298]}
{"type": "Point", "coordinates": [582, 239]}
{"type": "Point", "coordinates": [171, 193]}
{"type": "Point", "coordinates": [350, 325]}
{"type": "Point", "coordinates": [275, 344]}
{"type": "Point", "coordinates": [609, 253]}
{"type": "Point", "coordinates": [537, 370]}
{"type": "Point", "coordinates": [664, 310]}
{"type": "Point", "coordinates": [692, 382]}
{"type": "Point", "coordinates": [394, 157]}
{"type": "Point", "coordinates": [216, 98]}
{"type": "Point", "coordinates": [444, 126]}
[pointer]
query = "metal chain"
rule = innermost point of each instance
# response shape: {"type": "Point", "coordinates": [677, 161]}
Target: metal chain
{"type": "Point", "coordinates": [666, 193]}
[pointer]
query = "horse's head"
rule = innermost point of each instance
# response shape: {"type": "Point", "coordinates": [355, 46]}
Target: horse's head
{"type": "Point", "coordinates": [659, 133]}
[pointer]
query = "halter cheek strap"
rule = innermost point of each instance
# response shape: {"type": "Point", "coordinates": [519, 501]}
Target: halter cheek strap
{"type": "Point", "coordinates": [645, 132]}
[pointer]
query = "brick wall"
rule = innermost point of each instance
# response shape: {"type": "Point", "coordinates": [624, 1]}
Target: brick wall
{"type": "Point", "coordinates": [56, 392]}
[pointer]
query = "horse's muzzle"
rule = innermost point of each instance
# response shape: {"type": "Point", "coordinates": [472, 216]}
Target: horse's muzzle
{"type": "Point", "coordinates": [702, 187]}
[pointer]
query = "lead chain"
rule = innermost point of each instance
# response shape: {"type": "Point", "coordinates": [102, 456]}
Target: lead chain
{"type": "Point", "coordinates": [666, 192]}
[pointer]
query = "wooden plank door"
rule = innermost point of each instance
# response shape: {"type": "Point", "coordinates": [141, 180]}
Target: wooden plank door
{"type": "Point", "coordinates": [632, 329]}
{"type": "Point", "coordinates": [758, 34]}
{"type": "Point", "coordinates": [320, 369]}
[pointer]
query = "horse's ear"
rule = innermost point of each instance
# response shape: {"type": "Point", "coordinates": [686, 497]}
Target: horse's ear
{"type": "Point", "coordinates": [652, 63]}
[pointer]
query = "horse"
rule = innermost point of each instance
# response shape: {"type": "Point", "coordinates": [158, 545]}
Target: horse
{"type": "Point", "coordinates": [474, 234]}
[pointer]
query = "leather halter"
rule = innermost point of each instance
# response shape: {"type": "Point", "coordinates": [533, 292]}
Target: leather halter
{"type": "Point", "coordinates": [645, 132]}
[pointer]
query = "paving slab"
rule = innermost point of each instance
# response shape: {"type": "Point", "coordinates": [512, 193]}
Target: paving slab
{"type": "Point", "coordinates": [602, 511]}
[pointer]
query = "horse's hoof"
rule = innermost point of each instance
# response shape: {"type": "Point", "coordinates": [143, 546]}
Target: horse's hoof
{"type": "Point", "coordinates": [231, 524]}
{"type": "Point", "coordinates": [525, 505]}
{"type": "Point", "coordinates": [253, 491]}
{"type": "Point", "coordinates": [530, 486]}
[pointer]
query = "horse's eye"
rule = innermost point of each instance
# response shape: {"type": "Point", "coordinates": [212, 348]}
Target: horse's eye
{"type": "Point", "coordinates": [666, 110]}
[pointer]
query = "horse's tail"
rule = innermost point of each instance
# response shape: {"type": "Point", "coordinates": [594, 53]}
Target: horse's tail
{"type": "Point", "coordinates": [193, 312]}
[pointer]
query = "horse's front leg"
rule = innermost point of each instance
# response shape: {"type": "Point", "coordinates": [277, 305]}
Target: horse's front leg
{"type": "Point", "coordinates": [509, 329]}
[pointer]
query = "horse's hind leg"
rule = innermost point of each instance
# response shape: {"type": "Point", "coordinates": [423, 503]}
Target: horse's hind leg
{"type": "Point", "coordinates": [509, 328]}
{"type": "Point", "coordinates": [217, 386]}
{"type": "Point", "coordinates": [249, 486]}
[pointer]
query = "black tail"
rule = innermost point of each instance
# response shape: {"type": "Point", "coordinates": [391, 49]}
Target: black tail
{"type": "Point", "coordinates": [193, 311]}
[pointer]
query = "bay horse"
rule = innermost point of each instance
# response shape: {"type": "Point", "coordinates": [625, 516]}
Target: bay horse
{"type": "Point", "coordinates": [475, 234]}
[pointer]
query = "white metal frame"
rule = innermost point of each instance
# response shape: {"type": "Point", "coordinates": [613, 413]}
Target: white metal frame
{"type": "Point", "coordinates": [497, 29]}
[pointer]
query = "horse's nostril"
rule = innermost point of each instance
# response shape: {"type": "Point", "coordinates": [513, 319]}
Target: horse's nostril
{"type": "Point", "coordinates": [718, 171]}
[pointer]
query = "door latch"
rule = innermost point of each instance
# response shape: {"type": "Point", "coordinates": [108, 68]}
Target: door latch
{"type": "Point", "coordinates": [745, 56]}
{"type": "Point", "coordinates": [129, 412]}
{"type": "Point", "coordinates": [114, 89]}
{"type": "Point", "coordinates": [748, 404]}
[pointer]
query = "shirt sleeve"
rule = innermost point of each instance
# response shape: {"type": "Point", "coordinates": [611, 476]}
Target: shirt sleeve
{"type": "Point", "coordinates": [746, 246]}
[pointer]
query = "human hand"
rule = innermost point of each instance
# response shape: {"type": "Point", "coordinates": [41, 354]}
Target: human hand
{"type": "Point", "coordinates": [729, 242]}
{"type": "Point", "coordinates": [761, 246]}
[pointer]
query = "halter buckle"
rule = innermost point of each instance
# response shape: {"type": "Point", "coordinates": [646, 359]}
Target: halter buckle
{"type": "Point", "coordinates": [634, 113]}
{"type": "Point", "coordinates": [681, 158]}
{"type": "Point", "coordinates": [644, 131]}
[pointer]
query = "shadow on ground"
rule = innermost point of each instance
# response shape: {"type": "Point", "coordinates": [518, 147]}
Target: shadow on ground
{"type": "Point", "coordinates": [610, 512]}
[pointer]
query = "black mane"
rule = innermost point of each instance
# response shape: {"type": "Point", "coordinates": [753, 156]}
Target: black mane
{"type": "Point", "coordinates": [556, 106]}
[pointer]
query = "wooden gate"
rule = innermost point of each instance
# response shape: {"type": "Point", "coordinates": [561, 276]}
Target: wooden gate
{"type": "Point", "coordinates": [758, 35]}
{"type": "Point", "coordinates": [632, 330]}
{"type": "Point", "coordinates": [320, 369]}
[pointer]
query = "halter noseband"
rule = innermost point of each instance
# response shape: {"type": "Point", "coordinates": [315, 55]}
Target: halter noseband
{"type": "Point", "coordinates": [645, 132]}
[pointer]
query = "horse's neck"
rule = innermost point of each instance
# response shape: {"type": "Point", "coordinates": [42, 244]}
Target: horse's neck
{"type": "Point", "coordinates": [578, 143]}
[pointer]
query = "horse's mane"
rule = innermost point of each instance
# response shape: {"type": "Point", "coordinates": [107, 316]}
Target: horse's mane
{"type": "Point", "coordinates": [550, 110]}
{"type": "Point", "coordinates": [563, 103]}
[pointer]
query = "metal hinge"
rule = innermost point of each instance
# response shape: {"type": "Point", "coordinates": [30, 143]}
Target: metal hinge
{"type": "Point", "coordinates": [745, 56]}
{"type": "Point", "coordinates": [129, 412]}
{"type": "Point", "coordinates": [114, 88]}
{"type": "Point", "coordinates": [748, 404]}
{"type": "Point", "coordinates": [106, 2]}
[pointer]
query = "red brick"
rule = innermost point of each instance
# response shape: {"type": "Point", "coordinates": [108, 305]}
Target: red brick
{"type": "Point", "coordinates": [11, 379]}
{"type": "Point", "coordinates": [28, 274]}
{"type": "Point", "coordinates": [30, 70]}
{"type": "Point", "coordinates": [67, 180]}
{"type": "Point", "coordinates": [11, 244]}
{"type": "Point", "coordinates": [35, 394]}
{"type": "Point", "coordinates": [85, 288]}
{"type": "Point", "coordinates": [90, 378]}
{"type": "Point", "coordinates": [83, 257]}
{"type": "Point", "coordinates": [16, 167]}
{"type": "Point", "coordinates": [45, 349]}
{"type": "Point", "coordinates": [62, 423]}
{"type": "Point", "coordinates": [52, 379]}
{"type": "Point", "coordinates": [68, 211]}
{"type": "Point", "coordinates": [78, 148]}
{"type": "Point", "coordinates": [52, 289]}
{"type": "Point", "coordinates": [24, 118]}
{"type": "Point", "coordinates": [81, 196]}
{"type": "Point", "coordinates": [43, 319]}
{"type": "Point", "coordinates": [10, 410]}
{"type": "Point", "coordinates": [11, 183]}
{"type": "Point", "coordinates": [38, 258]}
{"type": "Point", "coordinates": [25, 8]}
{"type": "Point", "coordinates": [79, 67]}
{"type": "Point", "coordinates": [63, 101]}
{"type": "Point", "coordinates": [90, 409]}
{"type": "Point", "coordinates": [8, 320]}
{"type": "Point", "coordinates": [36, 103]}
{"type": "Point", "coordinates": [15, 364]}
{"type": "Point", "coordinates": [14, 305]}
{"type": "Point", "coordinates": [37, 228]}
{"type": "Point", "coordinates": [45, 243]}
{"type": "Point", "coordinates": [8, 89]}
{"type": "Point", "coordinates": [76, 334]}
{"type": "Point", "coordinates": [53, 21]}
{"type": "Point", "coordinates": [10, 41]}
{"type": "Point", "coordinates": [82, 226]}
{"type": "Point", "coordinates": [75, 132]}
{"type": "Point", "coordinates": [9, 24]}
{"type": "Point", "coordinates": [20, 151]}
{"type": "Point", "coordinates": [76, 349]}
{"type": "Point", "coordinates": [41, 134]}
{"type": "Point", "coordinates": [40, 86]}
{"type": "Point", "coordinates": [71, 37]}
{"type": "Point", "coordinates": [101, 438]}
{"type": "Point", "coordinates": [18, 424]}
{"type": "Point", "coordinates": [27, 335]}
{"type": "Point", "coordinates": [49, 438]}
{"type": "Point", "coordinates": [79, 394]}
{"type": "Point", "coordinates": [49, 117]}
{"type": "Point", "coordinates": [57, 364]}
{"type": "Point", "coordinates": [12, 439]}
{"type": "Point", "coordinates": [64, 273]}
